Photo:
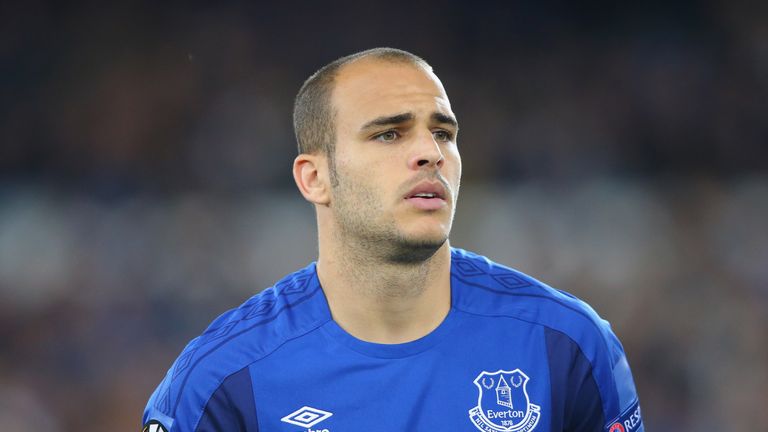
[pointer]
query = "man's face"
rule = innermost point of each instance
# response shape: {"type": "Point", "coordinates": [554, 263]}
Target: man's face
{"type": "Point", "coordinates": [396, 167]}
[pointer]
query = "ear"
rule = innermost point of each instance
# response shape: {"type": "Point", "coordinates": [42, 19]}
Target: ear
{"type": "Point", "coordinates": [310, 172]}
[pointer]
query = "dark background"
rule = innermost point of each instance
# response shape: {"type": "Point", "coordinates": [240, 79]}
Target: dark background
{"type": "Point", "coordinates": [619, 152]}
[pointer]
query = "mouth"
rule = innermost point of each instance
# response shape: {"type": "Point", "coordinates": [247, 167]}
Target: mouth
{"type": "Point", "coordinates": [427, 196]}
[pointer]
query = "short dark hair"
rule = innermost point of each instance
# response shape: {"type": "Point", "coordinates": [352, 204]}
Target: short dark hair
{"type": "Point", "coordinates": [314, 117]}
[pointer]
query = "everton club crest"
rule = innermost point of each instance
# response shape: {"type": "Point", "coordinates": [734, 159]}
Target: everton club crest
{"type": "Point", "coordinates": [503, 404]}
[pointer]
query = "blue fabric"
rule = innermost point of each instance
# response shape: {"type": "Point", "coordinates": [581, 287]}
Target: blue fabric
{"type": "Point", "coordinates": [512, 354]}
{"type": "Point", "coordinates": [231, 408]}
{"type": "Point", "coordinates": [571, 372]}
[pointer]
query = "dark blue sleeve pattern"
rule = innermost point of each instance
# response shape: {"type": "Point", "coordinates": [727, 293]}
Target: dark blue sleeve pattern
{"type": "Point", "coordinates": [231, 407]}
{"type": "Point", "coordinates": [574, 391]}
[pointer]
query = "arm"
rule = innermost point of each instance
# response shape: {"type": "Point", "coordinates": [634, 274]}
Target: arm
{"type": "Point", "coordinates": [230, 407]}
{"type": "Point", "coordinates": [594, 384]}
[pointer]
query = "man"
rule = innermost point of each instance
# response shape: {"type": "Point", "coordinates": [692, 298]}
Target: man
{"type": "Point", "coordinates": [392, 329]}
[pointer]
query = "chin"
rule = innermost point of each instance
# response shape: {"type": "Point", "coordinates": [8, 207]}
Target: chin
{"type": "Point", "coordinates": [432, 231]}
{"type": "Point", "coordinates": [416, 249]}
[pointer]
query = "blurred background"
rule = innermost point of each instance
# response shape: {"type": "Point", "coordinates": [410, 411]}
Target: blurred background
{"type": "Point", "coordinates": [617, 152]}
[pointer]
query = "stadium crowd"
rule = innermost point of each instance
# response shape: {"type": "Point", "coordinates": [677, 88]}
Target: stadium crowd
{"type": "Point", "coordinates": [618, 153]}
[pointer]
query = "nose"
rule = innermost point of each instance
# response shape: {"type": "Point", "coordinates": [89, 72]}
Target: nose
{"type": "Point", "coordinates": [426, 153]}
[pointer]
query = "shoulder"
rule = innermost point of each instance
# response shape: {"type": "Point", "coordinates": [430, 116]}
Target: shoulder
{"type": "Point", "coordinates": [232, 342]}
{"type": "Point", "coordinates": [483, 287]}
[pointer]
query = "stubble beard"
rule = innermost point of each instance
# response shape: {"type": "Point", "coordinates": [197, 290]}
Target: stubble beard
{"type": "Point", "coordinates": [369, 237]}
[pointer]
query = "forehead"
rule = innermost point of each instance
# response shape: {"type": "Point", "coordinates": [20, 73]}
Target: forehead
{"type": "Point", "coordinates": [369, 88]}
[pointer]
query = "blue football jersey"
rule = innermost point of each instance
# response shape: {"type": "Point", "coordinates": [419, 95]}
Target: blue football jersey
{"type": "Point", "coordinates": [512, 355]}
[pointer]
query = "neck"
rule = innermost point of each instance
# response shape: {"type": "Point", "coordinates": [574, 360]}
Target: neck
{"type": "Point", "coordinates": [382, 301]}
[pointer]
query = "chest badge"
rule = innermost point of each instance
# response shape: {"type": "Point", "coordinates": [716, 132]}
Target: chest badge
{"type": "Point", "coordinates": [503, 404]}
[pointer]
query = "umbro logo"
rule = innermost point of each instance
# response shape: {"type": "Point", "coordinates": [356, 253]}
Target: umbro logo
{"type": "Point", "coordinates": [306, 417]}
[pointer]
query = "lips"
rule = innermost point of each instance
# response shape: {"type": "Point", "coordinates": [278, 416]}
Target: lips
{"type": "Point", "coordinates": [427, 190]}
{"type": "Point", "coordinates": [427, 196]}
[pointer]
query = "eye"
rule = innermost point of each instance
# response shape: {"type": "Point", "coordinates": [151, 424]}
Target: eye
{"type": "Point", "coordinates": [442, 135]}
{"type": "Point", "coordinates": [388, 136]}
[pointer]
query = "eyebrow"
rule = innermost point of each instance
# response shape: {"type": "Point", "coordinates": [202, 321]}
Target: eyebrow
{"type": "Point", "coordinates": [388, 120]}
{"type": "Point", "coordinates": [444, 118]}
{"type": "Point", "coordinates": [406, 117]}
